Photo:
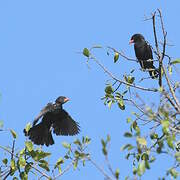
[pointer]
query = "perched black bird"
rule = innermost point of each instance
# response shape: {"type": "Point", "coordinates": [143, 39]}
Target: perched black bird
{"type": "Point", "coordinates": [54, 118]}
{"type": "Point", "coordinates": [144, 54]}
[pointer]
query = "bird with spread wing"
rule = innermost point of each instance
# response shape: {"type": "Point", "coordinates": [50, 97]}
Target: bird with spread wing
{"type": "Point", "coordinates": [54, 119]}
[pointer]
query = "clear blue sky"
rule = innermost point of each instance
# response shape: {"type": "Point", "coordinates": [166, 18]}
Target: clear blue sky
{"type": "Point", "coordinates": [39, 41]}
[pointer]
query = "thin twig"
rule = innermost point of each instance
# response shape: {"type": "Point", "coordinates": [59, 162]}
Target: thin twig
{"type": "Point", "coordinates": [12, 154]}
{"type": "Point", "coordinates": [121, 81]}
{"type": "Point", "coordinates": [100, 169]}
{"type": "Point", "coordinates": [122, 54]}
{"type": "Point", "coordinates": [65, 170]}
{"type": "Point", "coordinates": [171, 89]}
{"type": "Point", "coordinates": [170, 100]}
{"type": "Point", "coordinates": [164, 33]}
{"type": "Point", "coordinates": [157, 48]}
{"type": "Point", "coordinates": [109, 166]}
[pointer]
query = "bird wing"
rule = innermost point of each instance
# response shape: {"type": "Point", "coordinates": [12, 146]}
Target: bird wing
{"type": "Point", "coordinates": [63, 124]}
{"type": "Point", "coordinates": [144, 53]}
{"type": "Point", "coordinates": [149, 52]}
{"type": "Point", "coordinates": [48, 108]}
{"type": "Point", "coordinates": [40, 134]}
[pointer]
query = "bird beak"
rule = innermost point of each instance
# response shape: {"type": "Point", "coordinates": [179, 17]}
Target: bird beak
{"type": "Point", "coordinates": [66, 100]}
{"type": "Point", "coordinates": [131, 41]}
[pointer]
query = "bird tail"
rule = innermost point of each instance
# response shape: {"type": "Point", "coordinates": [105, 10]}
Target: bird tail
{"type": "Point", "coordinates": [40, 134]}
{"type": "Point", "coordinates": [154, 73]}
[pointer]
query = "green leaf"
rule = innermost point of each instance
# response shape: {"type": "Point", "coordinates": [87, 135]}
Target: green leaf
{"type": "Point", "coordinates": [154, 136]}
{"type": "Point", "coordinates": [77, 154]}
{"type": "Point", "coordinates": [147, 164]}
{"type": "Point", "coordinates": [176, 61]}
{"type": "Point", "coordinates": [109, 89]}
{"type": "Point", "coordinates": [129, 79]}
{"type": "Point", "coordinates": [28, 126]}
{"type": "Point", "coordinates": [59, 169]}
{"type": "Point", "coordinates": [108, 138]}
{"type": "Point", "coordinates": [127, 156]}
{"type": "Point", "coordinates": [66, 156]}
{"type": "Point", "coordinates": [59, 161]}
{"type": "Point", "coordinates": [152, 159]}
{"type": "Point", "coordinates": [141, 168]}
{"type": "Point", "coordinates": [43, 154]}
{"type": "Point", "coordinates": [15, 178]}
{"type": "Point", "coordinates": [22, 162]}
{"type": "Point", "coordinates": [117, 173]}
{"type": "Point", "coordinates": [86, 52]}
{"type": "Point", "coordinates": [177, 156]}
{"type": "Point", "coordinates": [5, 161]}
{"type": "Point", "coordinates": [110, 104]}
{"type": "Point", "coordinates": [128, 120]}
{"type": "Point", "coordinates": [1, 124]}
{"type": "Point", "coordinates": [104, 151]}
{"type": "Point", "coordinates": [127, 178]}
{"type": "Point", "coordinates": [134, 170]}
{"type": "Point", "coordinates": [13, 133]}
{"type": "Point", "coordinates": [87, 140]}
{"type": "Point", "coordinates": [141, 141]}
{"type": "Point", "coordinates": [38, 155]}
{"type": "Point", "coordinates": [161, 89]}
{"type": "Point", "coordinates": [170, 70]}
{"type": "Point", "coordinates": [13, 165]}
{"type": "Point", "coordinates": [22, 151]}
{"type": "Point", "coordinates": [77, 142]}
{"type": "Point", "coordinates": [23, 176]}
{"type": "Point", "coordinates": [135, 126]}
{"type": "Point", "coordinates": [27, 168]}
{"type": "Point", "coordinates": [165, 126]}
{"type": "Point", "coordinates": [66, 145]}
{"type": "Point", "coordinates": [127, 134]}
{"type": "Point", "coordinates": [29, 145]}
{"type": "Point", "coordinates": [127, 146]}
{"type": "Point", "coordinates": [44, 166]}
{"type": "Point", "coordinates": [103, 143]}
{"type": "Point", "coordinates": [174, 173]}
{"type": "Point", "coordinates": [75, 164]}
{"type": "Point", "coordinates": [145, 156]}
{"type": "Point", "coordinates": [116, 57]}
{"type": "Point", "coordinates": [170, 142]}
{"type": "Point", "coordinates": [121, 104]}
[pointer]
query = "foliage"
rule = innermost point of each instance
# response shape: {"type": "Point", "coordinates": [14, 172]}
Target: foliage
{"type": "Point", "coordinates": [162, 116]}
{"type": "Point", "coordinates": [142, 149]}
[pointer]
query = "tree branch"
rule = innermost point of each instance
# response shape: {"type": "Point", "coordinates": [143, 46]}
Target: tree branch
{"type": "Point", "coordinates": [121, 81]}
{"type": "Point", "coordinates": [171, 89]}
{"type": "Point", "coordinates": [100, 169]}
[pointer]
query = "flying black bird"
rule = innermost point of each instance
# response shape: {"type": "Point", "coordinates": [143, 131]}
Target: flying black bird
{"type": "Point", "coordinates": [54, 118]}
{"type": "Point", "coordinates": [144, 54]}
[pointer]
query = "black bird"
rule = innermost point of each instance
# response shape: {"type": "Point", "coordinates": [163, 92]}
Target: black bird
{"type": "Point", "coordinates": [144, 54]}
{"type": "Point", "coordinates": [54, 118]}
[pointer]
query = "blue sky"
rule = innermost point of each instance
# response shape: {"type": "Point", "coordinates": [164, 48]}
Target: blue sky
{"type": "Point", "coordinates": [39, 41]}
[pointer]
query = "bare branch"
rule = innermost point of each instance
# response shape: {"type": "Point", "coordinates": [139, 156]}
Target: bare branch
{"type": "Point", "coordinates": [100, 169]}
{"type": "Point", "coordinates": [170, 100]}
{"type": "Point", "coordinates": [121, 81]}
{"type": "Point", "coordinates": [122, 54]}
{"type": "Point", "coordinates": [65, 170]}
{"type": "Point", "coordinates": [171, 89]}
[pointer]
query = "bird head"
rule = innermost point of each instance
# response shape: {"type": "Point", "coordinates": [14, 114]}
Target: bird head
{"type": "Point", "coordinates": [61, 100]}
{"type": "Point", "coordinates": [136, 38]}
